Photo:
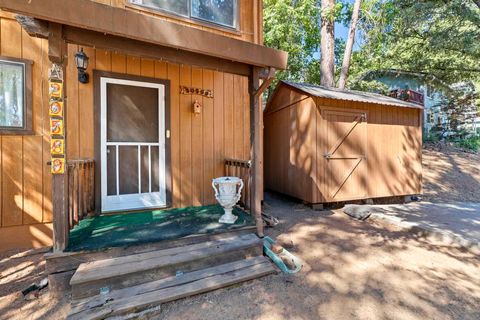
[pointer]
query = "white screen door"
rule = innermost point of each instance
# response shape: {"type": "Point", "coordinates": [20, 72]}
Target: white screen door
{"type": "Point", "coordinates": [132, 144]}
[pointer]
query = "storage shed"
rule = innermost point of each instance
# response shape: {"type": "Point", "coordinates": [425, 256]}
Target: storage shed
{"type": "Point", "coordinates": [327, 145]}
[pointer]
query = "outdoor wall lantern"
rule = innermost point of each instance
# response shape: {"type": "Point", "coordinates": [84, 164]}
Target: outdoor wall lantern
{"type": "Point", "coordinates": [81, 60]}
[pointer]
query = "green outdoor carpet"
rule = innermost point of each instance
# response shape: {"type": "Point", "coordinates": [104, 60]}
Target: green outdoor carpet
{"type": "Point", "coordinates": [150, 226]}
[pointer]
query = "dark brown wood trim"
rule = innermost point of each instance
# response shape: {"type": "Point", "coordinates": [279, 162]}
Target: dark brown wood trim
{"type": "Point", "coordinates": [97, 74]}
{"type": "Point", "coordinates": [151, 51]}
{"type": "Point", "coordinates": [27, 112]}
{"type": "Point", "coordinates": [39, 28]}
{"type": "Point", "coordinates": [96, 142]}
{"type": "Point", "coordinates": [34, 27]}
{"type": "Point", "coordinates": [267, 81]}
{"type": "Point", "coordinates": [57, 49]}
{"type": "Point", "coordinates": [256, 152]}
{"type": "Point", "coordinates": [129, 24]}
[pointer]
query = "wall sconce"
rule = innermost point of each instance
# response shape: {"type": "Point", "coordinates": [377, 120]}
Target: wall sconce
{"type": "Point", "coordinates": [81, 60]}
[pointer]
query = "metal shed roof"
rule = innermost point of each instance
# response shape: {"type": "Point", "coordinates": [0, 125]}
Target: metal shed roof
{"type": "Point", "coordinates": [350, 95]}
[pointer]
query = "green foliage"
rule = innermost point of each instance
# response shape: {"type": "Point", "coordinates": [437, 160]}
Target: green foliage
{"type": "Point", "coordinates": [431, 137]}
{"type": "Point", "coordinates": [334, 13]}
{"type": "Point", "coordinates": [370, 86]}
{"type": "Point", "coordinates": [312, 73]}
{"type": "Point", "coordinates": [471, 143]}
{"type": "Point", "coordinates": [437, 37]}
{"type": "Point", "coordinates": [293, 26]}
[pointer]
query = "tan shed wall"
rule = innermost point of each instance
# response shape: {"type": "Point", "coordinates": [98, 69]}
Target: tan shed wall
{"type": "Point", "coordinates": [199, 144]}
{"type": "Point", "coordinates": [290, 164]}
{"type": "Point", "coordinates": [296, 138]}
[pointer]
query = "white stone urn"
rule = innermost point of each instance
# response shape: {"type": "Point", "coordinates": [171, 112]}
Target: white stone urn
{"type": "Point", "coordinates": [228, 191]}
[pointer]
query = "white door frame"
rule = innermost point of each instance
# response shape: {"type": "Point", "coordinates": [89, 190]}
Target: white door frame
{"type": "Point", "coordinates": [138, 200]}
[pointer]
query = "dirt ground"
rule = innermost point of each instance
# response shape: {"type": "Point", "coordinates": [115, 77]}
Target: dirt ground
{"type": "Point", "coordinates": [353, 270]}
{"type": "Point", "coordinates": [450, 174]}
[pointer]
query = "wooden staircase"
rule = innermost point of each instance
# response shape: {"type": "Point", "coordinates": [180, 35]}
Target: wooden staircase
{"type": "Point", "coordinates": [138, 282]}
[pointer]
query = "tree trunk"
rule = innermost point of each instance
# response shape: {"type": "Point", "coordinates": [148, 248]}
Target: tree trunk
{"type": "Point", "coordinates": [327, 59]}
{"type": "Point", "coordinates": [349, 46]}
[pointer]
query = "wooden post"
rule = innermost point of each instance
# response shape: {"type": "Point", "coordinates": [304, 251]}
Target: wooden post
{"type": "Point", "coordinates": [256, 153]}
{"type": "Point", "coordinates": [57, 54]}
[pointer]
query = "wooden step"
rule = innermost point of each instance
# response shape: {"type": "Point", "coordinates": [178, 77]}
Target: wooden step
{"type": "Point", "coordinates": [150, 295]}
{"type": "Point", "coordinates": [127, 271]}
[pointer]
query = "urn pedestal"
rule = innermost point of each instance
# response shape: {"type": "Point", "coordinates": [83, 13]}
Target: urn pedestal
{"type": "Point", "coordinates": [228, 191]}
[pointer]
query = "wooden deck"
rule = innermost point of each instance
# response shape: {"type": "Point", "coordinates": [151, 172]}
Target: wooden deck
{"type": "Point", "coordinates": [136, 282]}
{"type": "Point", "coordinates": [121, 235]}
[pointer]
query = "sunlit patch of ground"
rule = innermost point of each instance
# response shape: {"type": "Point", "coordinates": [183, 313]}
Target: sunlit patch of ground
{"type": "Point", "coordinates": [450, 175]}
{"type": "Point", "coordinates": [18, 270]}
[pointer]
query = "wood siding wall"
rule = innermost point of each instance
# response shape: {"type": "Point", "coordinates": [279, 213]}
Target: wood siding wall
{"type": "Point", "coordinates": [296, 135]}
{"type": "Point", "coordinates": [250, 19]}
{"type": "Point", "coordinates": [25, 181]}
{"type": "Point", "coordinates": [199, 144]}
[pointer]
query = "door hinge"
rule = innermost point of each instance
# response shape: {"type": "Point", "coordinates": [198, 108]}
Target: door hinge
{"type": "Point", "coordinates": [167, 134]}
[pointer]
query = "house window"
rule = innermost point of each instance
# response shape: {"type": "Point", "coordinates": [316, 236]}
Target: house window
{"type": "Point", "coordinates": [220, 12]}
{"type": "Point", "coordinates": [217, 11]}
{"type": "Point", "coordinates": [179, 7]}
{"type": "Point", "coordinates": [15, 96]}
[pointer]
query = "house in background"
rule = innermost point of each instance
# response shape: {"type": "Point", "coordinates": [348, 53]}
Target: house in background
{"type": "Point", "coordinates": [436, 94]}
{"type": "Point", "coordinates": [121, 106]}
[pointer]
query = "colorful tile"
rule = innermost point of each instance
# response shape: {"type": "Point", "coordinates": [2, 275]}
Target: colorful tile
{"type": "Point", "coordinates": [57, 146]}
{"type": "Point", "coordinates": [55, 89]}
{"type": "Point", "coordinates": [56, 127]}
{"type": "Point", "coordinates": [58, 166]}
{"type": "Point", "coordinates": [56, 108]}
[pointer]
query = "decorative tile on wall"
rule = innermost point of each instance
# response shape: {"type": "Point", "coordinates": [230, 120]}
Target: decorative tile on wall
{"type": "Point", "coordinates": [56, 112]}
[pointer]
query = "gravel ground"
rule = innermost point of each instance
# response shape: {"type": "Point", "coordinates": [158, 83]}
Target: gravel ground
{"type": "Point", "coordinates": [353, 270]}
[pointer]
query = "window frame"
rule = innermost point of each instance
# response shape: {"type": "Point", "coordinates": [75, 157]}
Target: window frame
{"type": "Point", "coordinates": [26, 129]}
{"type": "Point", "coordinates": [190, 18]}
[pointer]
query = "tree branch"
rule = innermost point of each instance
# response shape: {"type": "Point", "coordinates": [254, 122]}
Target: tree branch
{"type": "Point", "coordinates": [477, 2]}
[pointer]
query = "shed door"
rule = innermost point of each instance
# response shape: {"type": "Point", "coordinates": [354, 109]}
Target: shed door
{"type": "Point", "coordinates": [132, 145]}
{"type": "Point", "coordinates": [345, 154]}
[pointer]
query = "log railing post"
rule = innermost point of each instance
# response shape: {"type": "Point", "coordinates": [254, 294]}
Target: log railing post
{"type": "Point", "coordinates": [57, 54]}
{"type": "Point", "coordinates": [256, 154]}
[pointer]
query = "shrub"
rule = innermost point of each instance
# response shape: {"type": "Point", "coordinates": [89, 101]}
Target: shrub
{"type": "Point", "coordinates": [471, 143]}
{"type": "Point", "coordinates": [432, 136]}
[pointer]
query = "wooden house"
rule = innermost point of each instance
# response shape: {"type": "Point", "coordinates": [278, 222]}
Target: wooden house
{"type": "Point", "coordinates": [169, 96]}
{"type": "Point", "coordinates": [326, 145]}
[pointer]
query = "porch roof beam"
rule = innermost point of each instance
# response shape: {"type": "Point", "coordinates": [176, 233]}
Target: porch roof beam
{"type": "Point", "coordinates": [109, 20]}
{"type": "Point", "coordinates": [39, 28]}
{"type": "Point", "coordinates": [150, 51]}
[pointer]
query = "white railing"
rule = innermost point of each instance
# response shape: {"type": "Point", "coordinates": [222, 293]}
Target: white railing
{"type": "Point", "coordinates": [139, 146]}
